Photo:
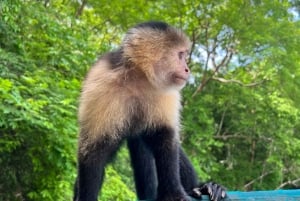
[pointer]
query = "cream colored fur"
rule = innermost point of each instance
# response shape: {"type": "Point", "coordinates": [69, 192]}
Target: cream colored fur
{"type": "Point", "coordinates": [107, 98]}
{"type": "Point", "coordinates": [112, 96]}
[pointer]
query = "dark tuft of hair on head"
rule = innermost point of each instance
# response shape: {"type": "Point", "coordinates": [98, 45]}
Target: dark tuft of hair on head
{"type": "Point", "coordinates": [154, 25]}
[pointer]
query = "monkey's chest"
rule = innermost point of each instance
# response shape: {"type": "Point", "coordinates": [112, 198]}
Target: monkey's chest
{"type": "Point", "coordinates": [144, 114]}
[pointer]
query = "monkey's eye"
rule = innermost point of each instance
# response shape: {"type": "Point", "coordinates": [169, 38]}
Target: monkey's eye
{"type": "Point", "coordinates": [181, 55]}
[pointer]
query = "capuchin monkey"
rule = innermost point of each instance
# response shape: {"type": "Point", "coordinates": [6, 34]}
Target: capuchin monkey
{"type": "Point", "coordinates": [133, 94]}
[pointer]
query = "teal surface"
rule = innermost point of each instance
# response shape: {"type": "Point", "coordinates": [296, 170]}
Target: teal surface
{"type": "Point", "coordinates": [278, 195]}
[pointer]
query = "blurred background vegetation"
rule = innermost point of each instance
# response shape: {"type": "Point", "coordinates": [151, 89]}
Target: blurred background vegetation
{"type": "Point", "coordinates": [241, 111]}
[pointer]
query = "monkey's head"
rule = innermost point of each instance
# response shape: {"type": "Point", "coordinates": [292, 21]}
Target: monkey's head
{"type": "Point", "coordinates": [160, 52]}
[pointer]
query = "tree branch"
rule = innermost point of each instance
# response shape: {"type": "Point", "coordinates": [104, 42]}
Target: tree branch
{"type": "Point", "coordinates": [237, 82]}
{"type": "Point", "coordinates": [205, 80]}
{"type": "Point", "coordinates": [211, 56]}
{"type": "Point", "coordinates": [81, 7]}
{"type": "Point", "coordinates": [221, 122]}
{"type": "Point", "coordinates": [194, 39]}
{"type": "Point", "coordinates": [226, 137]}
{"type": "Point", "coordinates": [293, 182]}
{"type": "Point", "coordinates": [258, 178]}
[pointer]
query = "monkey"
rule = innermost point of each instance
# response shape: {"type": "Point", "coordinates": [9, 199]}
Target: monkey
{"type": "Point", "coordinates": [133, 94]}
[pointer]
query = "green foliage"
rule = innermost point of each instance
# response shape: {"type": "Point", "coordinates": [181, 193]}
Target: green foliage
{"type": "Point", "coordinates": [246, 90]}
{"type": "Point", "coordinates": [114, 188]}
{"type": "Point", "coordinates": [39, 90]}
{"type": "Point", "coordinates": [246, 139]}
{"type": "Point", "coordinates": [240, 117]}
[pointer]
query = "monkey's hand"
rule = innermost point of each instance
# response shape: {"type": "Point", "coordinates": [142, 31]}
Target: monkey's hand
{"type": "Point", "coordinates": [215, 191]}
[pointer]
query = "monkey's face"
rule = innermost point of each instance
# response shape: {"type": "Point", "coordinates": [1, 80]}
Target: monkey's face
{"type": "Point", "coordinates": [172, 70]}
{"type": "Point", "coordinates": [181, 69]}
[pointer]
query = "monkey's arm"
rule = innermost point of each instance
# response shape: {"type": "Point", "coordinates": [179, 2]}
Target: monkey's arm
{"type": "Point", "coordinates": [191, 185]}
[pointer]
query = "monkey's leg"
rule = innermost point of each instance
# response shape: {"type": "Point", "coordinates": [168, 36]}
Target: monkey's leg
{"type": "Point", "coordinates": [191, 184]}
{"type": "Point", "coordinates": [75, 196]}
{"type": "Point", "coordinates": [91, 163]}
{"type": "Point", "coordinates": [165, 148]}
{"type": "Point", "coordinates": [188, 176]}
{"type": "Point", "coordinates": [142, 161]}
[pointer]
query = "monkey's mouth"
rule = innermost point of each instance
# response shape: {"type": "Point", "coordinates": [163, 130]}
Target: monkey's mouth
{"type": "Point", "coordinates": [182, 78]}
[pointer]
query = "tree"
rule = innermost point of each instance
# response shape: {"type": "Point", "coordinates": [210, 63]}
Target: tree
{"type": "Point", "coordinates": [43, 57]}
{"type": "Point", "coordinates": [241, 111]}
{"type": "Point", "coordinates": [240, 63]}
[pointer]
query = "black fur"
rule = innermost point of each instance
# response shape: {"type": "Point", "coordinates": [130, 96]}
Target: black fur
{"type": "Point", "coordinates": [115, 58]}
{"type": "Point", "coordinates": [144, 169]}
{"type": "Point", "coordinates": [144, 166]}
{"type": "Point", "coordinates": [154, 162]}
{"type": "Point", "coordinates": [91, 168]}
{"type": "Point", "coordinates": [159, 178]}
{"type": "Point", "coordinates": [154, 25]}
{"type": "Point", "coordinates": [188, 175]}
{"type": "Point", "coordinates": [165, 148]}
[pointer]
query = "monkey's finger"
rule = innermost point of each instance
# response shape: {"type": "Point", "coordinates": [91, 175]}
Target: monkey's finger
{"type": "Point", "coordinates": [210, 189]}
{"type": "Point", "coordinates": [196, 192]}
{"type": "Point", "coordinates": [218, 194]}
{"type": "Point", "coordinates": [223, 193]}
{"type": "Point", "coordinates": [215, 191]}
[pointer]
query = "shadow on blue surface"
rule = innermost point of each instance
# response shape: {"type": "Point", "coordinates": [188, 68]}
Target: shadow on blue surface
{"type": "Point", "coordinates": [277, 195]}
